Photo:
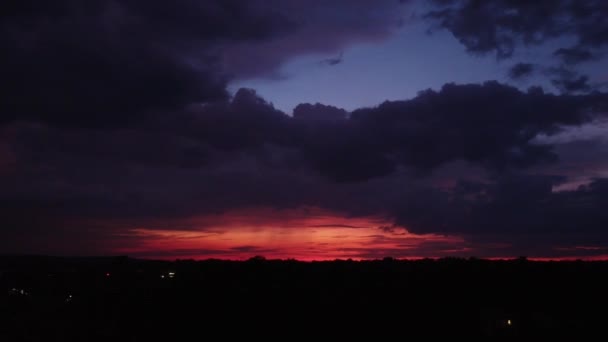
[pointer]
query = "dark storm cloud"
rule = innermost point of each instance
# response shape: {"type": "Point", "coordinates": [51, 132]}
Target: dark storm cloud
{"type": "Point", "coordinates": [589, 154]}
{"type": "Point", "coordinates": [569, 81]}
{"type": "Point", "coordinates": [527, 205]}
{"type": "Point", "coordinates": [570, 85]}
{"type": "Point", "coordinates": [522, 70]}
{"type": "Point", "coordinates": [321, 27]}
{"type": "Point", "coordinates": [100, 63]}
{"type": "Point", "coordinates": [89, 63]}
{"type": "Point", "coordinates": [441, 126]}
{"type": "Point", "coordinates": [574, 55]}
{"type": "Point", "coordinates": [319, 113]}
{"type": "Point", "coordinates": [430, 130]}
{"type": "Point", "coordinates": [499, 26]}
{"type": "Point", "coordinates": [243, 152]}
{"type": "Point", "coordinates": [518, 213]}
{"type": "Point", "coordinates": [247, 121]}
{"type": "Point", "coordinates": [434, 128]}
{"type": "Point", "coordinates": [189, 150]}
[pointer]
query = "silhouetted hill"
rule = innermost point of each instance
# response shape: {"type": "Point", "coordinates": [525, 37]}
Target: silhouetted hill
{"type": "Point", "coordinates": [124, 299]}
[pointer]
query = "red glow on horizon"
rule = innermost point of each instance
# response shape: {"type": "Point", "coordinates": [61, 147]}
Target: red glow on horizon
{"type": "Point", "coordinates": [309, 234]}
{"type": "Point", "coordinates": [302, 234]}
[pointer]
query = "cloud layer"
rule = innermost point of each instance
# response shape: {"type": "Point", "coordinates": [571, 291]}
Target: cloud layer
{"type": "Point", "coordinates": [501, 26]}
{"type": "Point", "coordinates": [107, 62]}
{"type": "Point", "coordinates": [461, 161]}
{"type": "Point", "coordinates": [117, 123]}
{"type": "Point", "coordinates": [575, 30]}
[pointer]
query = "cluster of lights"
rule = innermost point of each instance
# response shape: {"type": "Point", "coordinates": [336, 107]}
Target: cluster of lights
{"type": "Point", "coordinates": [15, 291]}
{"type": "Point", "coordinates": [169, 275]}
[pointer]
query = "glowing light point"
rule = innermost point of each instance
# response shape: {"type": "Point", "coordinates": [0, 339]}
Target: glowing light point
{"type": "Point", "coordinates": [509, 322]}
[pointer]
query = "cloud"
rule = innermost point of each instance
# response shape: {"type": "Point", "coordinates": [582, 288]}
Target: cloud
{"type": "Point", "coordinates": [422, 134]}
{"type": "Point", "coordinates": [333, 61]}
{"type": "Point", "coordinates": [521, 71]}
{"type": "Point", "coordinates": [117, 121]}
{"type": "Point", "coordinates": [464, 160]}
{"type": "Point", "coordinates": [528, 204]}
{"type": "Point", "coordinates": [319, 113]}
{"type": "Point", "coordinates": [568, 81]}
{"type": "Point", "coordinates": [319, 27]}
{"type": "Point", "coordinates": [108, 63]}
{"type": "Point", "coordinates": [570, 85]}
{"type": "Point", "coordinates": [500, 26]}
{"type": "Point", "coordinates": [434, 128]}
{"type": "Point", "coordinates": [105, 62]}
{"type": "Point", "coordinates": [574, 55]}
{"type": "Point", "coordinates": [447, 125]}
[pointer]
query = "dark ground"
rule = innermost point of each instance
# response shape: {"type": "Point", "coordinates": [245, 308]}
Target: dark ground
{"type": "Point", "coordinates": [121, 299]}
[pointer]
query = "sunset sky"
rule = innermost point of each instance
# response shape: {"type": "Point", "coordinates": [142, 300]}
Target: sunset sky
{"type": "Point", "coordinates": [306, 129]}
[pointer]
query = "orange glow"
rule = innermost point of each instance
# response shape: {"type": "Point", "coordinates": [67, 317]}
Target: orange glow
{"type": "Point", "coordinates": [600, 257]}
{"type": "Point", "coordinates": [303, 234]}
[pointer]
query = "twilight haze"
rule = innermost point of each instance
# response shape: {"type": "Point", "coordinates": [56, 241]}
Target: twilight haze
{"type": "Point", "coordinates": [304, 129]}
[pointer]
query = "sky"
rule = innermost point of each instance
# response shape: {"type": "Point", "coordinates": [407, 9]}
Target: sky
{"type": "Point", "coordinates": [314, 130]}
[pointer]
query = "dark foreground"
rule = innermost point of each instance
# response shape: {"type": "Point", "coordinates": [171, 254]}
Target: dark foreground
{"type": "Point", "coordinates": [120, 299]}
